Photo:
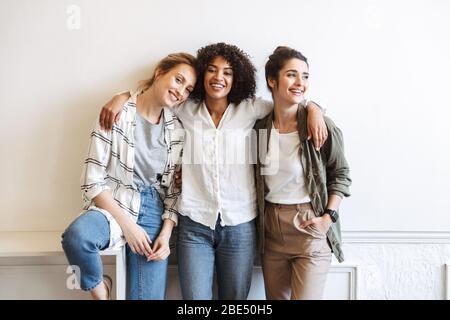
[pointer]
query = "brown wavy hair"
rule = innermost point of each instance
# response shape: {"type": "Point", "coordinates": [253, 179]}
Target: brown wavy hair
{"type": "Point", "coordinates": [168, 63]}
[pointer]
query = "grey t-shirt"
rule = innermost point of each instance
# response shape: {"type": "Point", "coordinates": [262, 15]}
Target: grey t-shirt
{"type": "Point", "coordinates": [150, 152]}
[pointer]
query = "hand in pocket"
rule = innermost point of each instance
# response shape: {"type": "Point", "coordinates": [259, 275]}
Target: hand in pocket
{"type": "Point", "coordinates": [321, 224]}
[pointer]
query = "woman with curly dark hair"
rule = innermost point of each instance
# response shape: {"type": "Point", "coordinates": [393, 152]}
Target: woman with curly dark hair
{"type": "Point", "coordinates": [244, 84]}
{"type": "Point", "coordinates": [217, 206]}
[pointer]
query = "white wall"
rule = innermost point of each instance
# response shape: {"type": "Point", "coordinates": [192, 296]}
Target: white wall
{"type": "Point", "coordinates": [380, 67]}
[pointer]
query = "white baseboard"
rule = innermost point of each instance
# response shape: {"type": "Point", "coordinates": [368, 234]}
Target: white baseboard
{"type": "Point", "coordinates": [447, 281]}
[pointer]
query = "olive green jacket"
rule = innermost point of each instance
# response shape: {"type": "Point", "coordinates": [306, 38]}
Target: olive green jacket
{"type": "Point", "coordinates": [326, 172]}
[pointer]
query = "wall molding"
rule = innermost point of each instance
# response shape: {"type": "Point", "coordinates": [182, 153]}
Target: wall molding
{"type": "Point", "coordinates": [397, 237]}
{"type": "Point", "coordinates": [43, 282]}
{"type": "Point", "coordinates": [353, 271]}
{"type": "Point", "coordinates": [447, 281]}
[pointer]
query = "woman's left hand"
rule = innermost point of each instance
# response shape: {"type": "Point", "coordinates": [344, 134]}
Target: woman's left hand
{"type": "Point", "coordinates": [322, 223]}
{"type": "Point", "coordinates": [317, 129]}
{"type": "Point", "coordinates": [161, 249]}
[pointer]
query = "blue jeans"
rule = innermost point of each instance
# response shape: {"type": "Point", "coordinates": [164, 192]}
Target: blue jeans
{"type": "Point", "coordinates": [89, 234]}
{"type": "Point", "coordinates": [230, 250]}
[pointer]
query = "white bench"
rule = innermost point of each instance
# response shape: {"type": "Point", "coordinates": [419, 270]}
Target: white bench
{"type": "Point", "coordinates": [48, 243]}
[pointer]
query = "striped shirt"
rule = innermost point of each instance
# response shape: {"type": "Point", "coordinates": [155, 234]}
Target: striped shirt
{"type": "Point", "coordinates": [109, 166]}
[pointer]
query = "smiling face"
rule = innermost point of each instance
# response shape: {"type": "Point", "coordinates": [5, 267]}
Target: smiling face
{"type": "Point", "coordinates": [174, 87]}
{"type": "Point", "coordinates": [292, 82]}
{"type": "Point", "coordinates": [218, 79]}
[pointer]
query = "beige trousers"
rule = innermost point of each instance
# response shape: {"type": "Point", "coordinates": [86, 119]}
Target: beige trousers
{"type": "Point", "coordinates": [295, 261]}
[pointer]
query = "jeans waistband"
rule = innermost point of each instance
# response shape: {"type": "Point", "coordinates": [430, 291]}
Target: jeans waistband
{"type": "Point", "coordinates": [144, 189]}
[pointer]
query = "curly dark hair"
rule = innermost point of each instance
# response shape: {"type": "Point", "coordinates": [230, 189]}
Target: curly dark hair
{"type": "Point", "coordinates": [244, 73]}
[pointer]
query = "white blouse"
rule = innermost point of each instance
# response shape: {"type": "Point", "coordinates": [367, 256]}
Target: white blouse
{"type": "Point", "coordinates": [286, 184]}
{"type": "Point", "coordinates": [217, 171]}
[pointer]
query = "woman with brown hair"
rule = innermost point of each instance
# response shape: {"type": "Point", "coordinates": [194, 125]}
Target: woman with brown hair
{"type": "Point", "coordinates": [128, 186]}
{"type": "Point", "coordinates": [298, 200]}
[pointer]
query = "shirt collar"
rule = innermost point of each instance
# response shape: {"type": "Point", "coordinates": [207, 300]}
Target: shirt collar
{"type": "Point", "coordinates": [169, 117]}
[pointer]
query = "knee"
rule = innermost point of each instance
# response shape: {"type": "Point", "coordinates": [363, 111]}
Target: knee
{"type": "Point", "coordinates": [74, 238]}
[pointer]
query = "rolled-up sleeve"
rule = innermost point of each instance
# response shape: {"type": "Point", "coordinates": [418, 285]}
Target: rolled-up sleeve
{"type": "Point", "coordinates": [338, 171]}
{"type": "Point", "coordinates": [93, 177]}
{"type": "Point", "coordinates": [261, 107]}
{"type": "Point", "coordinates": [171, 199]}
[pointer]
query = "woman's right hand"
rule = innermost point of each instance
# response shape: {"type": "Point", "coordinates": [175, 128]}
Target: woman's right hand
{"type": "Point", "coordinates": [110, 112]}
{"type": "Point", "coordinates": [137, 238]}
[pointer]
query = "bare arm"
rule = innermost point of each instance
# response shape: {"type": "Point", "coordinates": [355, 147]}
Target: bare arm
{"type": "Point", "coordinates": [317, 129]}
{"type": "Point", "coordinates": [324, 222]}
{"type": "Point", "coordinates": [333, 202]}
{"type": "Point", "coordinates": [161, 248]}
{"type": "Point", "coordinates": [110, 113]}
{"type": "Point", "coordinates": [136, 237]}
